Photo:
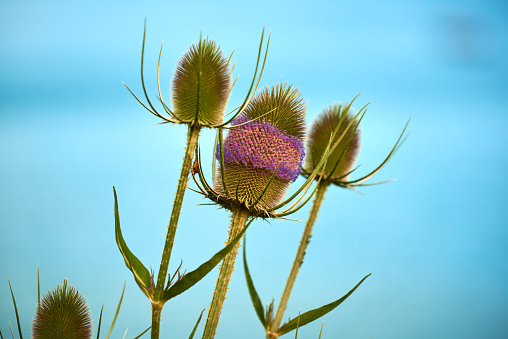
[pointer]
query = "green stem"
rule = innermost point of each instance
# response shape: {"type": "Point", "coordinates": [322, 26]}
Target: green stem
{"type": "Point", "coordinates": [156, 320]}
{"type": "Point", "coordinates": [320, 194]}
{"type": "Point", "coordinates": [192, 141]}
{"type": "Point", "coordinates": [238, 221]}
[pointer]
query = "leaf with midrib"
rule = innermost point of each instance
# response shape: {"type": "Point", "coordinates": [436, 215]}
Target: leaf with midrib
{"type": "Point", "coordinates": [317, 313]}
{"type": "Point", "coordinates": [256, 301]}
{"type": "Point", "coordinates": [196, 326]}
{"type": "Point", "coordinates": [141, 274]}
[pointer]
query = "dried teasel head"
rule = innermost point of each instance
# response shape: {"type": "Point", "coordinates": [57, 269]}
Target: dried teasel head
{"type": "Point", "coordinates": [201, 85]}
{"type": "Point", "coordinates": [263, 151]}
{"type": "Point", "coordinates": [339, 121]}
{"type": "Point", "coordinates": [62, 313]}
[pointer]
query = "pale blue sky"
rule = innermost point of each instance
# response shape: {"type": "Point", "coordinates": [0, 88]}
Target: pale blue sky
{"type": "Point", "coordinates": [435, 241]}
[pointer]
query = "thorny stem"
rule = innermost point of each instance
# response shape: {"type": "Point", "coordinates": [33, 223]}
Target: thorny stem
{"type": "Point", "coordinates": [316, 205]}
{"type": "Point", "coordinates": [192, 141]}
{"type": "Point", "coordinates": [238, 222]}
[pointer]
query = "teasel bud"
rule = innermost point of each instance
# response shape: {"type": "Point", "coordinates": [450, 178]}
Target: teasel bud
{"type": "Point", "coordinates": [263, 151]}
{"type": "Point", "coordinates": [338, 123]}
{"type": "Point", "coordinates": [201, 85]}
{"type": "Point", "coordinates": [335, 120]}
{"type": "Point", "coordinates": [62, 313]}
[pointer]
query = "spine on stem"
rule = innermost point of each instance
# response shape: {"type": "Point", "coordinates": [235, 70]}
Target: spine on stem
{"type": "Point", "coordinates": [316, 205]}
{"type": "Point", "coordinates": [238, 221]}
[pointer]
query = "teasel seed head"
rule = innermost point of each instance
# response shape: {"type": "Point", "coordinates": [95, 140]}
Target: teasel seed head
{"type": "Point", "coordinates": [62, 313]}
{"type": "Point", "coordinates": [201, 85]}
{"type": "Point", "coordinates": [266, 145]}
{"type": "Point", "coordinates": [319, 137]}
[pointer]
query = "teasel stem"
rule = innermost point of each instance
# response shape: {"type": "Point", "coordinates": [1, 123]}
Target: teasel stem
{"type": "Point", "coordinates": [192, 141]}
{"type": "Point", "coordinates": [316, 205]}
{"type": "Point", "coordinates": [238, 221]}
{"type": "Point", "coordinates": [156, 320]}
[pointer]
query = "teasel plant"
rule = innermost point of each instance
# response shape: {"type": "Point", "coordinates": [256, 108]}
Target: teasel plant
{"type": "Point", "coordinates": [200, 90]}
{"type": "Point", "coordinates": [63, 313]}
{"type": "Point", "coordinates": [342, 126]}
{"type": "Point", "coordinates": [261, 155]}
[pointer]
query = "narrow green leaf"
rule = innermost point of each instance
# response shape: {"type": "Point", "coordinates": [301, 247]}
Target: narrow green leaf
{"type": "Point", "coordinates": [321, 331]}
{"type": "Point", "coordinates": [297, 325]}
{"type": "Point", "coordinates": [15, 309]}
{"type": "Point", "coordinates": [397, 145]}
{"type": "Point", "coordinates": [248, 97]}
{"type": "Point", "coordinates": [191, 278]}
{"type": "Point", "coordinates": [139, 336]}
{"type": "Point", "coordinates": [100, 321]}
{"type": "Point", "coordinates": [256, 301]}
{"type": "Point", "coordinates": [317, 313]}
{"type": "Point", "coordinates": [141, 274]}
{"type": "Point", "coordinates": [196, 326]}
{"type": "Point", "coordinates": [116, 313]}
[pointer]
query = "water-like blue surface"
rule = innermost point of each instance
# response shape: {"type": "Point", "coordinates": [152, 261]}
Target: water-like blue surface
{"type": "Point", "coordinates": [435, 240]}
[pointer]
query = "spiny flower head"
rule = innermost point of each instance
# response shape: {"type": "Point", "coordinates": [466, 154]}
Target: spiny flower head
{"type": "Point", "coordinates": [62, 313]}
{"type": "Point", "coordinates": [264, 143]}
{"type": "Point", "coordinates": [343, 157]}
{"type": "Point", "coordinates": [201, 85]}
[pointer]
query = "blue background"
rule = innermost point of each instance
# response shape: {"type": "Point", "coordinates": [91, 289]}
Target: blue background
{"type": "Point", "coordinates": [435, 240]}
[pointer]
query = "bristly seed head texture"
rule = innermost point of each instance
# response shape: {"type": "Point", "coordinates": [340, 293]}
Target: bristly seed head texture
{"type": "Point", "coordinates": [63, 313]}
{"type": "Point", "coordinates": [201, 85]}
{"type": "Point", "coordinates": [254, 150]}
{"type": "Point", "coordinates": [319, 137]}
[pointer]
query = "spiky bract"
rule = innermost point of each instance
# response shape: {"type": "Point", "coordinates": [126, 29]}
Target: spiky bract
{"type": "Point", "coordinates": [62, 313]}
{"type": "Point", "coordinates": [319, 137]}
{"type": "Point", "coordinates": [255, 150]}
{"type": "Point", "coordinates": [201, 85]}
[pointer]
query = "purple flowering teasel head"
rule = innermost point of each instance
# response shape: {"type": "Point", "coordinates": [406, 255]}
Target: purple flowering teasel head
{"type": "Point", "coordinates": [264, 145]}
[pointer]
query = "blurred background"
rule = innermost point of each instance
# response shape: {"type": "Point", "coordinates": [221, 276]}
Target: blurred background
{"type": "Point", "coordinates": [435, 240]}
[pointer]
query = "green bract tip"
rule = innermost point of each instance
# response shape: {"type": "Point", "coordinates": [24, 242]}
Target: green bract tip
{"type": "Point", "coordinates": [62, 313]}
{"type": "Point", "coordinates": [343, 157]}
{"type": "Point", "coordinates": [201, 85]}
